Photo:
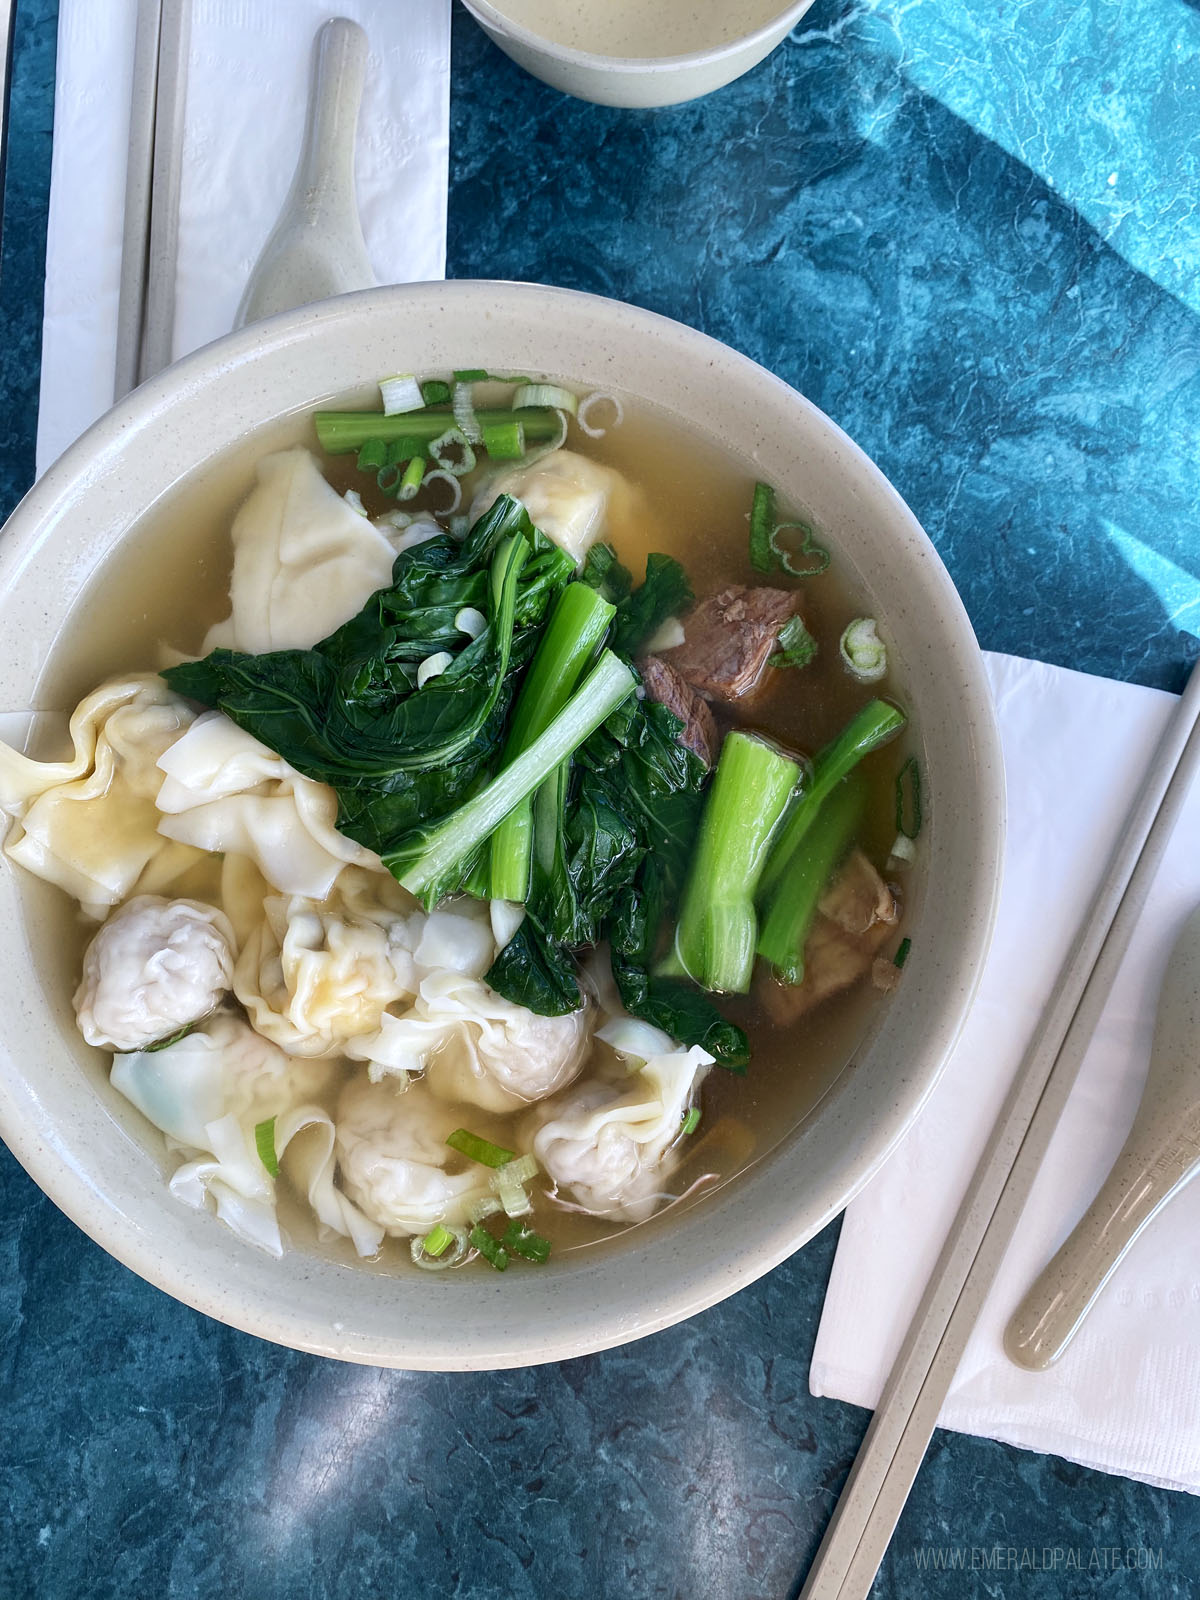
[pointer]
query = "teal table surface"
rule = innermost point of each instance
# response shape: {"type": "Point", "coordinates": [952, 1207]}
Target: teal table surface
{"type": "Point", "coordinates": [967, 231]}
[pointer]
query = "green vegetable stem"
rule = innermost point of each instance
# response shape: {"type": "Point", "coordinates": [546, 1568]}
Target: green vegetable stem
{"type": "Point", "coordinates": [717, 928]}
{"type": "Point", "coordinates": [793, 904]}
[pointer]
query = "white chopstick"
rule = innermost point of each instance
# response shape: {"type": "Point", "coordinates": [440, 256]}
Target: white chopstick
{"type": "Point", "coordinates": [135, 241]}
{"type": "Point", "coordinates": [170, 97]}
{"type": "Point", "coordinates": [899, 1434]}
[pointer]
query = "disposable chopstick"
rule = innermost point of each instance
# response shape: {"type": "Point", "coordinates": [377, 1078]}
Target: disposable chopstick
{"type": "Point", "coordinates": [171, 85]}
{"type": "Point", "coordinates": [899, 1434]}
{"type": "Point", "coordinates": [135, 241]}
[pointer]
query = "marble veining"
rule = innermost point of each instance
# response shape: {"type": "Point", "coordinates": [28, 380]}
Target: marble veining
{"type": "Point", "coordinates": [867, 214]}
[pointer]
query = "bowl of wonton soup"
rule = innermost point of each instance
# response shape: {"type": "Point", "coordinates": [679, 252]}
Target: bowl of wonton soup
{"type": "Point", "coordinates": [120, 543]}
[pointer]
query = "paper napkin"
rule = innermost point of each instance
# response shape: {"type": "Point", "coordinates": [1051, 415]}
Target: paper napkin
{"type": "Point", "coordinates": [1125, 1397]}
{"type": "Point", "coordinates": [247, 86]}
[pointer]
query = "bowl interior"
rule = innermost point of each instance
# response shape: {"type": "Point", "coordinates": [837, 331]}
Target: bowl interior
{"type": "Point", "coordinates": [104, 1166]}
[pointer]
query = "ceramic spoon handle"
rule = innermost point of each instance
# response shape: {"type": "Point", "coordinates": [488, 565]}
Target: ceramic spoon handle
{"type": "Point", "coordinates": [1161, 1153]}
{"type": "Point", "coordinates": [325, 177]}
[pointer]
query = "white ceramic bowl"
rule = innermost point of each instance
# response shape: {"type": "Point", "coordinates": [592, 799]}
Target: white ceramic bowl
{"type": "Point", "coordinates": [104, 1166]}
{"type": "Point", "coordinates": [634, 80]}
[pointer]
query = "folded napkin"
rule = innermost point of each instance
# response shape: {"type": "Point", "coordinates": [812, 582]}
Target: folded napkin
{"type": "Point", "coordinates": [1125, 1397]}
{"type": "Point", "coordinates": [247, 87]}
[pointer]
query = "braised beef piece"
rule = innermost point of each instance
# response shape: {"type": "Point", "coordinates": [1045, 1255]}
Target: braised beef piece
{"type": "Point", "coordinates": [663, 683]}
{"type": "Point", "coordinates": [729, 637]}
{"type": "Point", "coordinates": [856, 917]}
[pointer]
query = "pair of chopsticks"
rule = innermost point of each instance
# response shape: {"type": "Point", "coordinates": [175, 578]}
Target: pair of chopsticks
{"type": "Point", "coordinates": [894, 1447]}
{"type": "Point", "coordinates": [146, 312]}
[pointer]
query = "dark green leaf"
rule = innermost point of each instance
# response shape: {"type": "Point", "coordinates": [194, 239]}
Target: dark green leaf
{"type": "Point", "coordinates": [533, 972]}
{"type": "Point", "coordinates": [665, 593]}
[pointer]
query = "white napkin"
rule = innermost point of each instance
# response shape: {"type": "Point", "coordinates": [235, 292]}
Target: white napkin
{"type": "Point", "coordinates": [247, 87]}
{"type": "Point", "coordinates": [1125, 1397]}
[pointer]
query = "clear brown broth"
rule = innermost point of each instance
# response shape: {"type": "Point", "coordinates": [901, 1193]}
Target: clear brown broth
{"type": "Point", "coordinates": [169, 582]}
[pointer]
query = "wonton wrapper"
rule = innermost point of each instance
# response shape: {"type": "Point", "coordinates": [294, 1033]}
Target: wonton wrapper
{"type": "Point", "coordinates": [208, 1093]}
{"type": "Point", "coordinates": [611, 1144]}
{"type": "Point", "coordinates": [89, 823]}
{"type": "Point", "coordinates": [304, 561]}
{"type": "Point", "coordinates": [224, 791]}
{"type": "Point", "coordinates": [392, 1152]}
{"type": "Point", "coordinates": [315, 975]}
{"type": "Point", "coordinates": [571, 499]}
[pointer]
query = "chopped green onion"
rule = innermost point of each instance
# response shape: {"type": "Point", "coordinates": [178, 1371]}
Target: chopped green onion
{"type": "Point", "coordinates": [901, 955]}
{"type": "Point", "coordinates": [435, 393]}
{"type": "Point", "coordinates": [523, 1241]}
{"type": "Point", "coordinates": [264, 1143]}
{"type": "Point", "coordinates": [471, 621]}
{"type": "Point", "coordinates": [437, 1241]}
{"type": "Point", "coordinates": [471, 375]}
{"type": "Point", "coordinates": [863, 651]}
{"type": "Point", "coordinates": [401, 451]}
{"type": "Point", "coordinates": [461, 460]}
{"type": "Point", "coordinates": [691, 1120]}
{"type": "Point", "coordinates": [372, 456]}
{"type": "Point", "coordinates": [523, 1169]}
{"type": "Point", "coordinates": [430, 1252]}
{"type": "Point", "coordinates": [875, 724]}
{"type": "Point", "coordinates": [400, 394]}
{"type": "Point", "coordinates": [512, 1194]}
{"type": "Point", "coordinates": [476, 1149]}
{"type": "Point", "coordinates": [486, 1206]}
{"type": "Point", "coordinates": [454, 486]}
{"type": "Point", "coordinates": [411, 481]}
{"type": "Point", "coordinates": [587, 406]}
{"type": "Point", "coordinates": [903, 852]}
{"type": "Point", "coordinates": [762, 524]}
{"type": "Point", "coordinates": [545, 394]}
{"type": "Point", "coordinates": [717, 928]}
{"type": "Point", "coordinates": [390, 478]}
{"type": "Point", "coordinates": [340, 431]}
{"type": "Point", "coordinates": [433, 666]}
{"type": "Point", "coordinates": [908, 807]}
{"type": "Point", "coordinates": [355, 501]}
{"type": "Point", "coordinates": [795, 646]}
{"type": "Point", "coordinates": [819, 557]}
{"type": "Point", "coordinates": [489, 1248]}
{"type": "Point", "coordinates": [504, 441]}
{"type": "Point", "coordinates": [164, 1044]}
{"type": "Point", "coordinates": [464, 413]}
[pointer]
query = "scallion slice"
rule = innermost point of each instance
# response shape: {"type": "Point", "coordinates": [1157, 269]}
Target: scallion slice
{"type": "Point", "coordinates": [545, 394]}
{"type": "Point", "coordinates": [400, 394]}
{"type": "Point", "coordinates": [486, 1206]}
{"type": "Point", "coordinates": [795, 646]}
{"type": "Point", "coordinates": [477, 1149]}
{"type": "Point", "coordinates": [762, 525]}
{"type": "Point", "coordinates": [264, 1143]}
{"type": "Point", "coordinates": [435, 393]}
{"type": "Point", "coordinates": [454, 486]}
{"type": "Point", "coordinates": [522, 1170]}
{"type": "Point", "coordinates": [433, 666]}
{"type": "Point", "coordinates": [590, 405]}
{"type": "Point", "coordinates": [504, 441]}
{"type": "Point", "coordinates": [452, 452]}
{"type": "Point", "coordinates": [437, 1241]}
{"type": "Point", "coordinates": [355, 501]}
{"type": "Point", "coordinates": [903, 852]}
{"type": "Point", "coordinates": [691, 1120]}
{"type": "Point", "coordinates": [863, 651]}
{"type": "Point", "coordinates": [433, 1252]}
{"type": "Point", "coordinates": [523, 1241]}
{"type": "Point", "coordinates": [372, 455]}
{"type": "Point", "coordinates": [471, 375]}
{"type": "Point", "coordinates": [411, 481]}
{"type": "Point", "coordinates": [471, 621]}
{"type": "Point", "coordinates": [489, 1247]}
{"type": "Point", "coordinates": [809, 561]}
{"type": "Point", "coordinates": [464, 412]}
{"type": "Point", "coordinates": [513, 1197]}
{"type": "Point", "coordinates": [901, 955]}
{"type": "Point", "coordinates": [908, 799]}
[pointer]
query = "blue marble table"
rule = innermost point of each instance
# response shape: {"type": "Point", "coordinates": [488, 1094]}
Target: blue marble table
{"type": "Point", "coordinates": [967, 231]}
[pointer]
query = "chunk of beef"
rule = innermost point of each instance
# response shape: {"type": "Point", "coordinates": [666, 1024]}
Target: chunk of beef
{"type": "Point", "coordinates": [729, 637]}
{"type": "Point", "coordinates": [856, 916]}
{"type": "Point", "coordinates": [663, 683]}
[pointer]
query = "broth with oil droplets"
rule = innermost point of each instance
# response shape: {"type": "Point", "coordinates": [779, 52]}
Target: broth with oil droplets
{"type": "Point", "coordinates": [169, 583]}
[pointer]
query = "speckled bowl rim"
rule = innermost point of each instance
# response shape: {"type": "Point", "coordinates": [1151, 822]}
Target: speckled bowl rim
{"type": "Point", "coordinates": [568, 55]}
{"type": "Point", "coordinates": [586, 1301]}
